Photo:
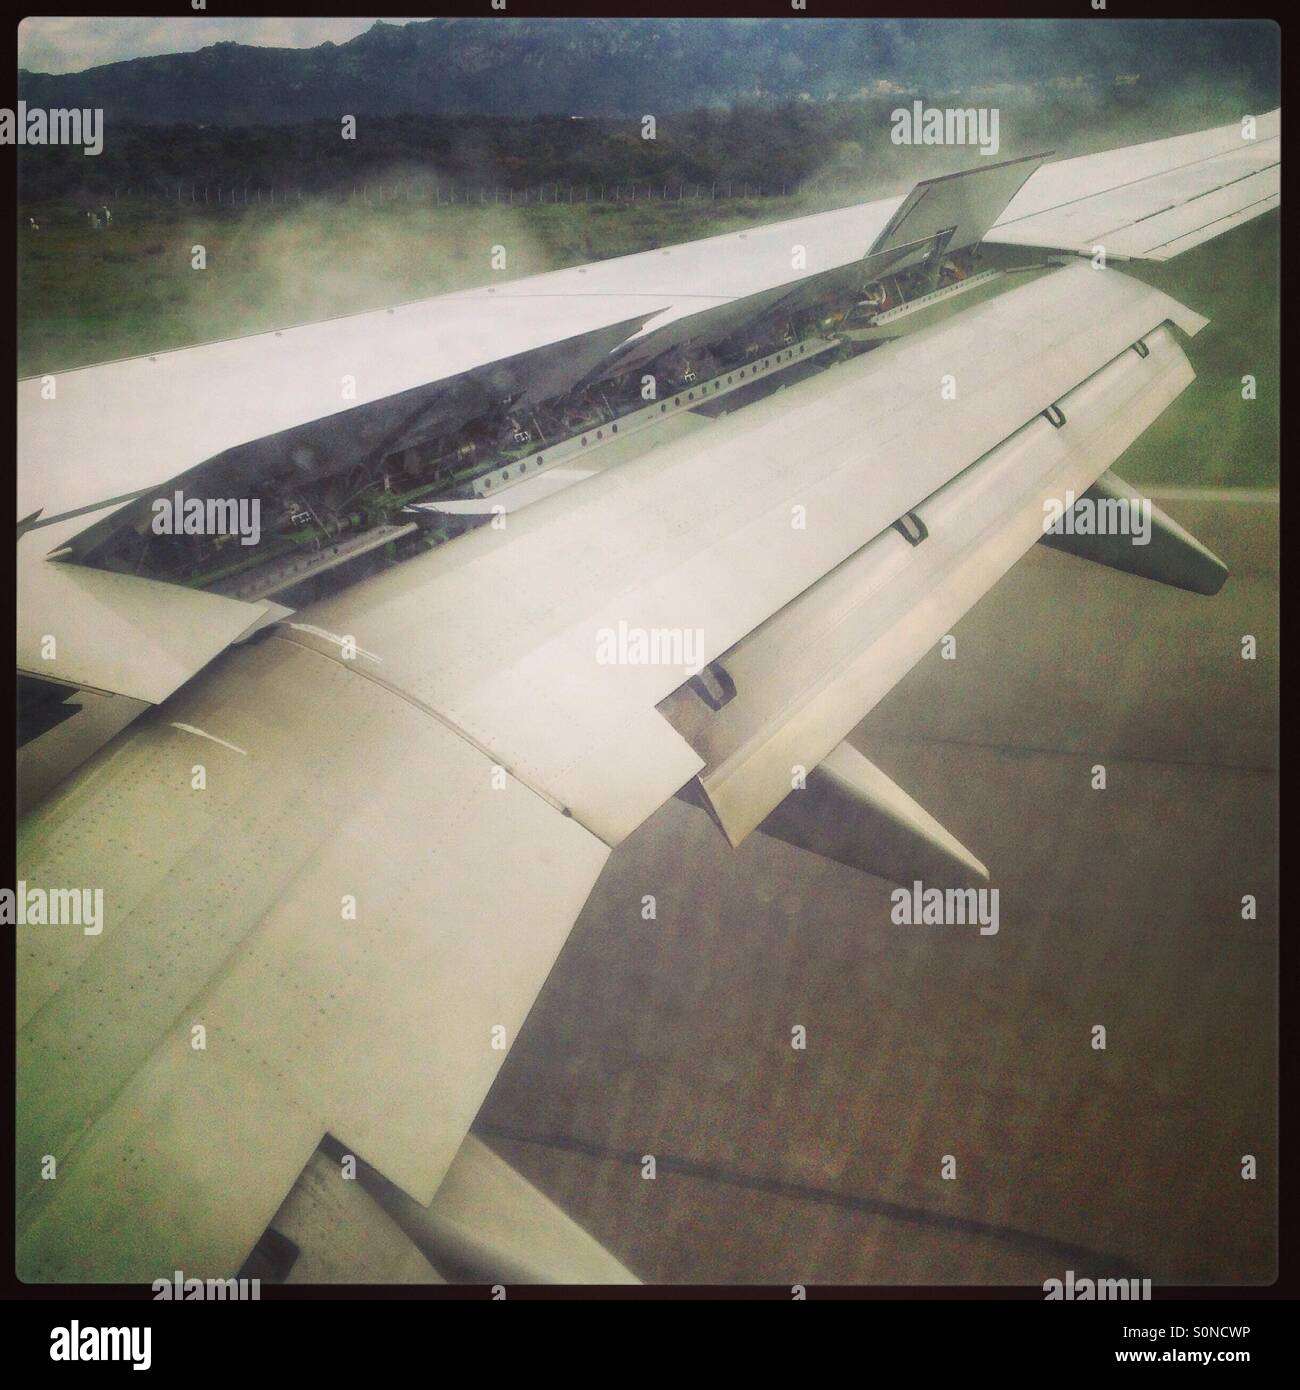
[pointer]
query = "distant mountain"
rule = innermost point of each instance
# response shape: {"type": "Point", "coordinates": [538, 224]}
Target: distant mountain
{"type": "Point", "coordinates": [630, 67]}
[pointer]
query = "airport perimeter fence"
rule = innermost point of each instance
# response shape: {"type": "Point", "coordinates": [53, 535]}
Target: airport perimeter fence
{"type": "Point", "coordinates": [456, 194]}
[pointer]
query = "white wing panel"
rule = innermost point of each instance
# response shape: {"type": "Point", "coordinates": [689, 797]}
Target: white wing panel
{"type": "Point", "coordinates": [501, 632]}
{"type": "Point", "coordinates": [814, 670]}
{"type": "Point", "coordinates": [1142, 201]}
{"type": "Point", "coordinates": [120, 633]}
{"type": "Point", "coordinates": [1222, 218]}
{"type": "Point", "coordinates": [114, 430]}
{"type": "Point", "coordinates": [375, 1025]}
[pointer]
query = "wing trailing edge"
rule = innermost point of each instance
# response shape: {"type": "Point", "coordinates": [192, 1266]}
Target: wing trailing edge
{"type": "Point", "coordinates": [814, 670]}
{"type": "Point", "coordinates": [122, 634]}
{"type": "Point", "coordinates": [487, 1224]}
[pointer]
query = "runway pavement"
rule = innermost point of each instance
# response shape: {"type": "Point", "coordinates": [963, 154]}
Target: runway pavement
{"type": "Point", "coordinates": [1119, 907]}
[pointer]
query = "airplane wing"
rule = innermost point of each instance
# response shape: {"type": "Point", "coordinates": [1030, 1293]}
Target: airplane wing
{"type": "Point", "coordinates": [338, 864]}
{"type": "Point", "coordinates": [319, 907]}
{"type": "Point", "coordinates": [1152, 201]}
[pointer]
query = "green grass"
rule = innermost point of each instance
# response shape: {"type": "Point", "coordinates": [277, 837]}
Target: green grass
{"type": "Point", "coordinates": [90, 297]}
{"type": "Point", "coordinates": [1210, 436]}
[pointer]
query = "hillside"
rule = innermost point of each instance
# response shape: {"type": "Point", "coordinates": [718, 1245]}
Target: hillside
{"type": "Point", "coordinates": [627, 67]}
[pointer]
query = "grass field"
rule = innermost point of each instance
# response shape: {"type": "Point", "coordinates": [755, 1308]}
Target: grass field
{"type": "Point", "coordinates": [1210, 435]}
{"type": "Point", "coordinates": [89, 297]}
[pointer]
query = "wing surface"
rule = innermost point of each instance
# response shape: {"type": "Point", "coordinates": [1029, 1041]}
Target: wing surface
{"type": "Point", "coordinates": [1151, 201]}
{"type": "Point", "coordinates": [350, 852]}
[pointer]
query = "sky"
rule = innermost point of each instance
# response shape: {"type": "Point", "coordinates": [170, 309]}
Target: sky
{"type": "Point", "coordinates": [50, 44]}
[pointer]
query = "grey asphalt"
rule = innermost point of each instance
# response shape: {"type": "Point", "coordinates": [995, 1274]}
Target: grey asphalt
{"type": "Point", "coordinates": [1119, 907]}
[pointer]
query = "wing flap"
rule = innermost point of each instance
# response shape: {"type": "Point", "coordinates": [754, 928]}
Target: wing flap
{"type": "Point", "coordinates": [122, 634]}
{"type": "Point", "coordinates": [489, 1224]}
{"type": "Point", "coordinates": [815, 669]}
{"type": "Point", "coordinates": [340, 1235]}
{"type": "Point", "coordinates": [951, 212]}
{"type": "Point", "coordinates": [510, 634]}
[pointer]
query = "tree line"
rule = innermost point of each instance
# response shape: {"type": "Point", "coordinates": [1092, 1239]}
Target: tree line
{"type": "Point", "coordinates": [762, 147]}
